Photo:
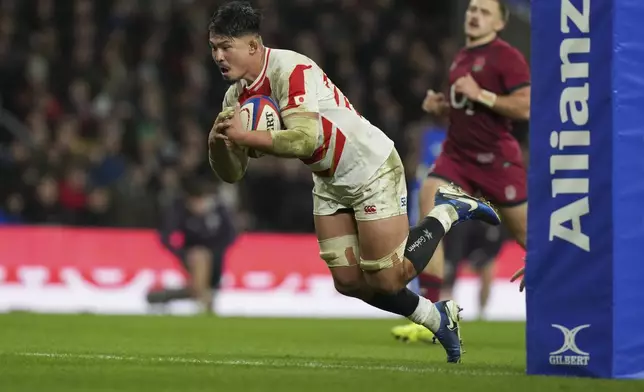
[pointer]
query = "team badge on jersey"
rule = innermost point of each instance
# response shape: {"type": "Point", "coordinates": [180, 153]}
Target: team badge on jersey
{"type": "Point", "coordinates": [478, 65]}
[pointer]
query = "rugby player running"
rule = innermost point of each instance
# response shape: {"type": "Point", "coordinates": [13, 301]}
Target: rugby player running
{"type": "Point", "coordinates": [360, 209]}
{"type": "Point", "coordinates": [489, 88]}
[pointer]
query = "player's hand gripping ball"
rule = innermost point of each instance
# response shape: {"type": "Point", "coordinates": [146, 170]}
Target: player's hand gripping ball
{"type": "Point", "coordinates": [225, 115]}
{"type": "Point", "coordinates": [228, 125]}
{"type": "Point", "coordinates": [258, 112]}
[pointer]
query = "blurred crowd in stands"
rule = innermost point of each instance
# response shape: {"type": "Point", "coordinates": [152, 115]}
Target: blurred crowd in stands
{"type": "Point", "coordinates": [107, 104]}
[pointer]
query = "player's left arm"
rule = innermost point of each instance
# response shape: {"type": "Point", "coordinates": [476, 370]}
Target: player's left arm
{"type": "Point", "coordinates": [515, 105]}
{"type": "Point", "coordinates": [514, 102]}
{"type": "Point", "coordinates": [300, 116]}
{"type": "Point", "coordinates": [515, 80]}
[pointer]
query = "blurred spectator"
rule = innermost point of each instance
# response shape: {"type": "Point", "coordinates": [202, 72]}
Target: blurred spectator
{"type": "Point", "coordinates": [206, 229]}
{"type": "Point", "coordinates": [44, 207]}
{"type": "Point", "coordinates": [118, 97]}
{"type": "Point", "coordinates": [73, 191]}
{"type": "Point", "coordinates": [98, 211]}
{"type": "Point", "coordinates": [12, 211]}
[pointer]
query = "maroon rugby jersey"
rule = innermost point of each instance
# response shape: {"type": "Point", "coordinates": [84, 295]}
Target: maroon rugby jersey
{"type": "Point", "coordinates": [475, 131]}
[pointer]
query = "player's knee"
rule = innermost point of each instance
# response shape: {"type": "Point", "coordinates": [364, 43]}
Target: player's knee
{"type": "Point", "coordinates": [339, 253]}
{"type": "Point", "coordinates": [388, 274]}
{"type": "Point", "coordinates": [388, 261]}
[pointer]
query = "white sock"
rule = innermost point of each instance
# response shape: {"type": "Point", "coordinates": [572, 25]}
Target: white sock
{"type": "Point", "coordinates": [426, 314]}
{"type": "Point", "coordinates": [445, 214]}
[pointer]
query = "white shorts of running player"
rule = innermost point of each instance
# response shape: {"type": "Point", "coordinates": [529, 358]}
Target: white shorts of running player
{"type": "Point", "coordinates": [384, 195]}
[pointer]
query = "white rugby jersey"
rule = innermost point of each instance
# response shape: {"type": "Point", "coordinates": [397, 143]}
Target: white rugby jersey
{"type": "Point", "coordinates": [349, 149]}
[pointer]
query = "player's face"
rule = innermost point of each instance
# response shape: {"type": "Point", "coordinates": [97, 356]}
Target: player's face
{"type": "Point", "coordinates": [233, 56]}
{"type": "Point", "coordinates": [482, 19]}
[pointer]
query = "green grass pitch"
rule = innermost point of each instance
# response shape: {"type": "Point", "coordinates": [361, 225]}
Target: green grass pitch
{"type": "Point", "coordinates": [158, 353]}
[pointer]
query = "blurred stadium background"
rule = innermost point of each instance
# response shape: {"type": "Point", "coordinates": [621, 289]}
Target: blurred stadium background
{"type": "Point", "coordinates": [105, 106]}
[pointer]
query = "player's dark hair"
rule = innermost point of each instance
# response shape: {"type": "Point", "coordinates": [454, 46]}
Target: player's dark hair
{"type": "Point", "coordinates": [505, 10]}
{"type": "Point", "coordinates": [235, 19]}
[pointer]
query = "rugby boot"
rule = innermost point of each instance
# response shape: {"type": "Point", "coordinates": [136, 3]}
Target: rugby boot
{"type": "Point", "coordinates": [449, 333]}
{"type": "Point", "coordinates": [467, 207]}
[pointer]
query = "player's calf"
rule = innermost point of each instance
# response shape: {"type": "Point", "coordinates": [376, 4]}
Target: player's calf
{"type": "Point", "coordinates": [351, 286]}
{"type": "Point", "coordinates": [515, 219]}
{"type": "Point", "coordinates": [452, 206]}
{"type": "Point", "coordinates": [350, 282]}
{"type": "Point", "coordinates": [386, 290]}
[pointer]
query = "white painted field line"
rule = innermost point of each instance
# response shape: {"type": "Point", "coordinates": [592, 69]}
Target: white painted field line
{"type": "Point", "coordinates": [278, 363]}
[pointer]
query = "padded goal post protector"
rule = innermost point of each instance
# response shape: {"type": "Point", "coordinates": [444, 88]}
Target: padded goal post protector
{"type": "Point", "coordinates": [585, 260]}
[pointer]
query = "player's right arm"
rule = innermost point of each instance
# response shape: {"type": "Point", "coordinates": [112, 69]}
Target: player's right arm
{"type": "Point", "coordinates": [228, 160]}
{"type": "Point", "coordinates": [297, 140]}
{"type": "Point", "coordinates": [298, 101]}
{"type": "Point", "coordinates": [436, 104]}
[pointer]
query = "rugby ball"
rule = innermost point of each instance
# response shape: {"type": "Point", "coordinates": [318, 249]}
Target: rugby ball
{"type": "Point", "coordinates": [261, 113]}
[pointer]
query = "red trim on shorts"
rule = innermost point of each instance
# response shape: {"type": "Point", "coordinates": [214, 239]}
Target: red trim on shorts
{"type": "Point", "coordinates": [508, 205]}
{"type": "Point", "coordinates": [446, 180]}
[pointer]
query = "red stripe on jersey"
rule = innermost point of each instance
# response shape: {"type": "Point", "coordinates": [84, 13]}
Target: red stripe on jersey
{"type": "Point", "coordinates": [320, 152]}
{"type": "Point", "coordinates": [296, 87]}
{"type": "Point", "coordinates": [347, 104]}
{"type": "Point", "coordinates": [262, 89]}
{"type": "Point", "coordinates": [336, 95]}
{"type": "Point", "coordinates": [340, 140]}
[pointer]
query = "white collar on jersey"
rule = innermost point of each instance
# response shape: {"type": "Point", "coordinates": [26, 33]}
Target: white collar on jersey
{"type": "Point", "coordinates": [262, 75]}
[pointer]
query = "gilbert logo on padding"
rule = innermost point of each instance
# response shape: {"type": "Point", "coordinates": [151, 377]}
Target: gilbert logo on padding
{"type": "Point", "coordinates": [569, 345]}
